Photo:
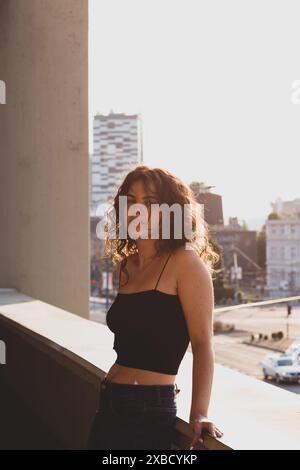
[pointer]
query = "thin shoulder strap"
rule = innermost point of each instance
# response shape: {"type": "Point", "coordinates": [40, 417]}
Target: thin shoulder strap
{"type": "Point", "coordinates": [162, 271]}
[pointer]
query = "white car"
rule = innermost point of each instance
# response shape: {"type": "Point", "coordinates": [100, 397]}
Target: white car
{"type": "Point", "coordinates": [294, 350]}
{"type": "Point", "coordinates": [281, 367]}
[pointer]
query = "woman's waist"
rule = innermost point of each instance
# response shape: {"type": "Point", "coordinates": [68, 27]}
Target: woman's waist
{"type": "Point", "coordinates": [139, 391]}
{"type": "Point", "coordinates": [124, 375]}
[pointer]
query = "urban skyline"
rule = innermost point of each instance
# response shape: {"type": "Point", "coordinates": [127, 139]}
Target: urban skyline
{"type": "Point", "coordinates": [215, 109]}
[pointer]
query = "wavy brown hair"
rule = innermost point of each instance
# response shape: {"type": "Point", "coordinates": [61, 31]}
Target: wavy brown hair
{"type": "Point", "coordinates": [170, 189]}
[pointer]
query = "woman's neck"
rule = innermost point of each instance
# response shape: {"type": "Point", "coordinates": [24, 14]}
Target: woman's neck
{"type": "Point", "coordinates": [146, 251]}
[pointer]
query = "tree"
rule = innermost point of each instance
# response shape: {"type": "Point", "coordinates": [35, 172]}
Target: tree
{"type": "Point", "coordinates": [244, 225]}
{"type": "Point", "coordinates": [273, 216]}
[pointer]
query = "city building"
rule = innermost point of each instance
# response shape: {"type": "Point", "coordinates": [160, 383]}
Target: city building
{"type": "Point", "coordinates": [213, 210]}
{"type": "Point", "coordinates": [117, 150]}
{"type": "Point", "coordinates": [287, 208]}
{"type": "Point", "coordinates": [283, 254]}
{"type": "Point", "coordinates": [238, 245]}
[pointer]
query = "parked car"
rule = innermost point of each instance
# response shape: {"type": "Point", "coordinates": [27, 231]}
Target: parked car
{"type": "Point", "coordinates": [281, 367]}
{"type": "Point", "coordinates": [294, 350]}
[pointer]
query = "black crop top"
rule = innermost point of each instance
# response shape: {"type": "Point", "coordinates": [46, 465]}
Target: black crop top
{"type": "Point", "coordinates": [150, 330]}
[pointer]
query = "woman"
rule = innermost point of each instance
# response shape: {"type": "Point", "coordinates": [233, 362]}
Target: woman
{"type": "Point", "coordinates": [165, 301]}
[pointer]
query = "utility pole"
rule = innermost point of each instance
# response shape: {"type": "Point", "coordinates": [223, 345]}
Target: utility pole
{"type": "Point", "coordinates": [236, 276]}
{"type": "Point", "coordinates": [289, 312]}
{"type": "Point", "coordinates": [235, 249]}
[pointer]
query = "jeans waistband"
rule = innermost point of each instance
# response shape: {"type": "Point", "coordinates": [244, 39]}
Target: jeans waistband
{"type": "Point", "coordinates": [162, 389]}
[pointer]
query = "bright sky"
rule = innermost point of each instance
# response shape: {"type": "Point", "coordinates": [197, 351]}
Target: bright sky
{"type": "Point", "coordinates": [212, 81]}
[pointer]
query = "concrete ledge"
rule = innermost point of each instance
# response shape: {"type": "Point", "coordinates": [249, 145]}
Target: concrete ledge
{"type": "Point", "coordinates": [56, 361]}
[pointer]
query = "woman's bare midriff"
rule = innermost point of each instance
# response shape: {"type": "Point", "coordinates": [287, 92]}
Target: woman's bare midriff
{"type": "Point", "coordinates": [129, 375]}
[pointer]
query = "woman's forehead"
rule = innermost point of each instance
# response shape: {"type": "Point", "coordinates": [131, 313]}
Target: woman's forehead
{"type": "Point", "coordinates": [139, 187]}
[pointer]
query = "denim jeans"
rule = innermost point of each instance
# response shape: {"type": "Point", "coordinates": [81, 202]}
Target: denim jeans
{"type": "Point", "coordinates": [134, 416]}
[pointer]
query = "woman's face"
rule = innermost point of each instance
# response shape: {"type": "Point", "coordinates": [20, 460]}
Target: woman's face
{"type": "Point", "coordinates": [139, 194]}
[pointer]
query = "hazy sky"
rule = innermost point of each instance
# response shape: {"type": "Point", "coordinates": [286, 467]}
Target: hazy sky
{"type": "Point", "coordinates": [212, 81]}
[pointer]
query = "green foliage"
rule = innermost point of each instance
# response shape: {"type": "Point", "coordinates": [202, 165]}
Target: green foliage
{"type": "Point", "coordinates": [273, 216]}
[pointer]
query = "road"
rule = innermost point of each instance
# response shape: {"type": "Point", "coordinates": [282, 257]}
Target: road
{"type": "Point", "coordinates": [264, 320]}
{"type": "Point", "coordinates": [230, 352]}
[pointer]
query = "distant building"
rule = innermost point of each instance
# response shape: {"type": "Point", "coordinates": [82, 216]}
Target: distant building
{"type": "Point", "coordinates": [283, 253]}
{"type": "Point", "coordinates": [213, 210]}
{"type": "Point", "coordinates": [287, 208]}
{"type": "Point", "coordinates": [117, 150]}
{"type": "Point", "coordinates": [233, 238]}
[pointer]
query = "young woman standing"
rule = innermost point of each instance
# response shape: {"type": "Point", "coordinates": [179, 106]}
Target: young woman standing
{"type": "Point", "coordinates": [165, 301]}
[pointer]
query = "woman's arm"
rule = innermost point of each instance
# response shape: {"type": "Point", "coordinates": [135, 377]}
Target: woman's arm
{"type": "Point", "coordinates": [195, 290]}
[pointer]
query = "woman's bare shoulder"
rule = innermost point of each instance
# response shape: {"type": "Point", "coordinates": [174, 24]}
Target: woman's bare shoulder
{"type": "Point", "coordinates": [186, 258]}
{"type": "Point", "coordinates": [183, 254]}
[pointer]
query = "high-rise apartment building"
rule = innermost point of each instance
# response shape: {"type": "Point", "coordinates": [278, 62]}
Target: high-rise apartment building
{"type": "Point", "coordinates": [117, 150]}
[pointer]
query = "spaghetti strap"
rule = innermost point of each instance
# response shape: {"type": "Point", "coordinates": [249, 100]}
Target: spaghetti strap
{"type": "Point", "coordinates": [162, 271]}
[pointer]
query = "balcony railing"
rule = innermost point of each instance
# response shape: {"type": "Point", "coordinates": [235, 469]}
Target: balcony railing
{"type": "Point", "coordinates": [55, 361]}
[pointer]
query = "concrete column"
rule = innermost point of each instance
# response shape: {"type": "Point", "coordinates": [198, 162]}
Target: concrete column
{"type": "Point", "coordinates": [44, 179]}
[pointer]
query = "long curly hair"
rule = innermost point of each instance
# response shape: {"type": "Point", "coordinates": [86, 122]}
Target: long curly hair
{"type": "Point", "coordinates": [170, 189]}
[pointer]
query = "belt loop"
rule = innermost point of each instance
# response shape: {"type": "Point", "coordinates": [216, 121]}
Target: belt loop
{"type": "Point", "coordinates": [177, 390]}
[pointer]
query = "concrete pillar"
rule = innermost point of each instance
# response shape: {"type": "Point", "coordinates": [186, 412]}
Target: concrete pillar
{"type": "Point", "coordinates": [44, 180]}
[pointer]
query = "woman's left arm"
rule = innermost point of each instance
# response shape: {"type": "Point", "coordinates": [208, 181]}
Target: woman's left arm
{"type": "Point", "coordinates": [195, 290]}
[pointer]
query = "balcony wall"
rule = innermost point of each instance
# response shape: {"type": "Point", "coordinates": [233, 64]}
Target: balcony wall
{"type": "Point", "coordinates": [55, 361]}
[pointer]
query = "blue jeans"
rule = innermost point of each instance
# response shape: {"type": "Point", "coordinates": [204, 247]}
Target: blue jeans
{"type": "Point", "coordinates": [134, 417]}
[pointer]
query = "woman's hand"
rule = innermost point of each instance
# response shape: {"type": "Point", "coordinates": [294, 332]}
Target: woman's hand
{"type": "Point", "coordinates": [200, 425]}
